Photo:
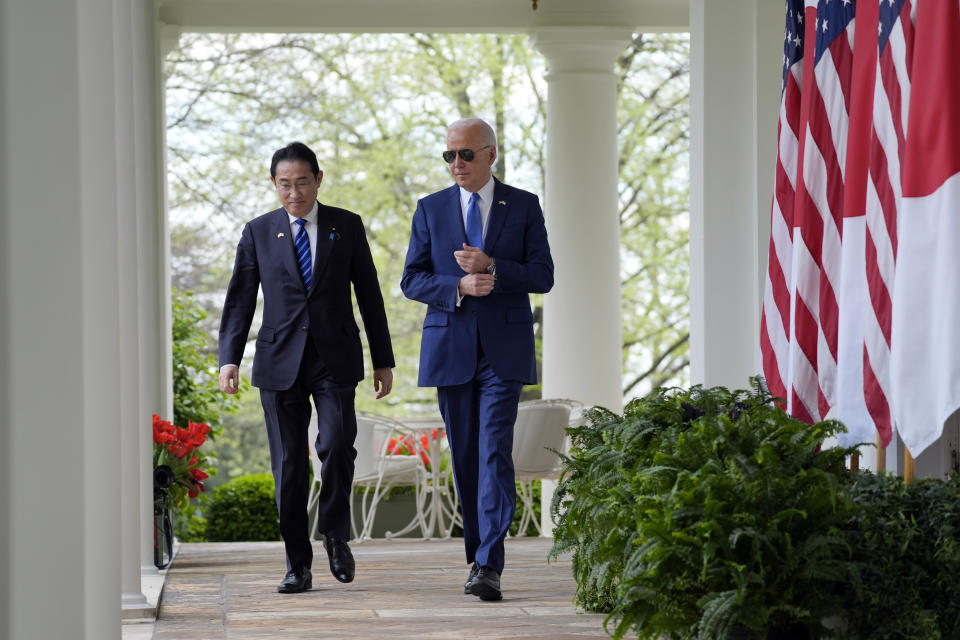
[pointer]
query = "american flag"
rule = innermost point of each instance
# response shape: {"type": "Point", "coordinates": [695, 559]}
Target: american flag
{"type": "Point", "coordinates": [887, 146]}
{"type": "Point", "coordinates": [804, 273]}
{"type": "Point", "coordinates": [775, 320]}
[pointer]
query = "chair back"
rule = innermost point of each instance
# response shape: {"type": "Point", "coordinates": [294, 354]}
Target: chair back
{"type": "Point", "coordinates": [369, 445]}
{"type": "Point", "coordinates": [540, 428]}
{"type": "Point", "coordinates": [369, 449]}
{"type": "Point", "coordinates": [312, 431]}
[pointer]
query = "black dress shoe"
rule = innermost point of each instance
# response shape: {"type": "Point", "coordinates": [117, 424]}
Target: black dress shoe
{"type": "Point", "coordinates": [342, 565]}
{"type": "Point", "coordinates": [486, 585]}
{"type": "Point", "coordinates": [296, 580]}
{"type": "Point", "coordinates": [473, 574]}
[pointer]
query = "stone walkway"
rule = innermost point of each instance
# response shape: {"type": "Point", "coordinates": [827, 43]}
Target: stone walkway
{"type": "Point", "coordinates": [403, 589]}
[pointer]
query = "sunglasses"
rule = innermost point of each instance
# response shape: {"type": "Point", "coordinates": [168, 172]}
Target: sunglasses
{"type": "Point", "coordinates": [466, 155]}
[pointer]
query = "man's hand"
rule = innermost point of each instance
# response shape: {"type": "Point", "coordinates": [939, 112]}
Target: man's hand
{"type": "Point", "coordinates": [382, 381]}
{"type": "Point", "coordinates": [476, 284]}
{"type": "Point", "coordinates": [230, 379]}
{"type": "Point", "coordinates": [472, 259]}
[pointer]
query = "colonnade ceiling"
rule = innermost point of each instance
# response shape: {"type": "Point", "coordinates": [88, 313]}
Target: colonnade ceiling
{"type": "Point", "coordinates": [420, 15]}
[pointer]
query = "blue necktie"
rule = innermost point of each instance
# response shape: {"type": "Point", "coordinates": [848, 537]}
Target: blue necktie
{"type": "Point", "coordinates": [474, 224]}
{"type": "Point", "coordinates": [302, 243]}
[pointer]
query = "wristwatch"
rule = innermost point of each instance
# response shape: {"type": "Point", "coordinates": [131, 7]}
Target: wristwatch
{"type": "Point", "coordinates": [492, 269]}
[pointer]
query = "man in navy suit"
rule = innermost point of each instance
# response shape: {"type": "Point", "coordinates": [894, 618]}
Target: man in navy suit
{"type": "Point", "coordinates": [304, 256]}
{"type": "Point", "coordinates": [477, 249]}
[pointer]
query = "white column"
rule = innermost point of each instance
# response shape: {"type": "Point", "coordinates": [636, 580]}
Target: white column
{"type": "Point", "coordinates": [153, 285]}
{"type": "Point", "coordinates": [132, 599]}
{"type": "Point", "coordinates": [167, 39]}
{"type": "Point", "coordinates": [100, 315]}
{"type": "Point", "coordinates": [60, 321]}
{"type": "Point", "coordinates": [734, 89]}
{"type": "Point", "coordinates": [582, 345]}
{"type": "Point", "coordinates": [767, 26]}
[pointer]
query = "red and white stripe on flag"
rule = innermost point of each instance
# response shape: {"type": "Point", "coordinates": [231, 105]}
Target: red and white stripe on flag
{"type": "Point", "coordinates": [799, 346]}
{"type": "Point", "coordinates": [925, 339]}
{"type": "Point", "coordinates": [887, 146]}
{"type": "Point", "coordinates": [853, 301]}
{"type": "Point", "coordinates": [775, 321]}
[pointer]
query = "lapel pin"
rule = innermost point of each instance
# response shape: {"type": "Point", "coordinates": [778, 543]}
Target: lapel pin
{"type": "Point", "coordinates": [501, 202]}
{"type": "Point", "coordinates": [333, 234]}
{"type": "Point", "coordinates": [280, 235]}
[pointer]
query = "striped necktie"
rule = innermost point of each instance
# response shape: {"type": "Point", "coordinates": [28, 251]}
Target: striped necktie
{"type": "Point", "coordinates": [474, 223]}
{"type": "Point", "coordinates": [302, 243]}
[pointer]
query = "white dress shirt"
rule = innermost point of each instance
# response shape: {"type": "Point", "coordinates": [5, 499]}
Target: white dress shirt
{"type": "Point", "coordinates": [311, 228]}
{"type": "Point", "coordinates": [486, 199]}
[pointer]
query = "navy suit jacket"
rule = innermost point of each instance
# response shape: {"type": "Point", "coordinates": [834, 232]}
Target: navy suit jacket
{"type": "Point", "coordinates": [502, 322]}
{"type": "Point", "coordinates": [266, 259]}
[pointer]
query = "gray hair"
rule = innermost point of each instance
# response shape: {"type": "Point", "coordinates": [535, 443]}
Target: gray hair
{"type": "Point", "coordinates": [489, 135]}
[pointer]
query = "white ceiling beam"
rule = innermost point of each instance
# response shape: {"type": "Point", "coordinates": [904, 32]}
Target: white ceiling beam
{"type": "Point", "coordinates": [405, 16]}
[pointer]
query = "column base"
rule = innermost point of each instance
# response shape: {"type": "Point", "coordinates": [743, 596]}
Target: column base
{"type": "Point", "coordinates": [142, 607]}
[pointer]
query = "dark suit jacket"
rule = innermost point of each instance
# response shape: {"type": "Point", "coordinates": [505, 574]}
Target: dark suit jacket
{"type": "Point", "coordinates": [266, 259]}
{"type": "Point", "coordinates": [502, 321]}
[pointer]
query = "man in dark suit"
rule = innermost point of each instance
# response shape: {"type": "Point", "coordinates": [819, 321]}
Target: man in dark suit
{"type": "Point", "coordinates": [304, 256]}
{"type": "Point", "coordinates": [477, 249]}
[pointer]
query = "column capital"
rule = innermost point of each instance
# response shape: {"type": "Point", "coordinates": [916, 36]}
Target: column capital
{"type": "Point", "coordinates": [169, 36]}
{"type": "Point", "coordinates": [581, 49]}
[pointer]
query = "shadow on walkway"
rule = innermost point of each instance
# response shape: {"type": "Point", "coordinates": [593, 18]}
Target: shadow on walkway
{"type": "Point", "coordinates": [403, 589]}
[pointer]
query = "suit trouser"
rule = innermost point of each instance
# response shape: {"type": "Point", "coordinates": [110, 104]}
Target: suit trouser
{"type": "Point", "coordinates": [480, 416]}
{"type": "Point", "coordinates": [287, 416]}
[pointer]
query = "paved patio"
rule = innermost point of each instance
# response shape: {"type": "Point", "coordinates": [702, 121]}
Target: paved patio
{"type": "Point", "coordinates": [403, 589]}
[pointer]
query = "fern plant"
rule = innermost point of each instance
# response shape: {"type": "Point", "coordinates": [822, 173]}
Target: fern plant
{"type": "Point", "coordinates": [703, 509]}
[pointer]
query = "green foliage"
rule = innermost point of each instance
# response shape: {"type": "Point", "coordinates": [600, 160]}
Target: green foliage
{"type": "Point", "coordinates": [531, 527]}
{"type": "Point", "coordinates": [243, 509]}
{"type": "Point", "coordinates": [697, 510]}
{"type": "Point", "coordinates": [653, 117]}
{"type": "Point", "coordinates": [196, 392]}
{"type": "Point", "coordinates": [190, 527]}
{"type": "Point", "coordinates": [906, 541]}
{"type": "Point", "coordinates": [242, 446]}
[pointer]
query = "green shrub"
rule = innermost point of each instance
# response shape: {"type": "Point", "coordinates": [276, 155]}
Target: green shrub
{"type": "Point", "coordinates": [243, 509]}
{"type": "Point", "coordinates": [700, 510]}
{"type": "Point", "coordinates": [906, 548]}
{"type": "Point", "coordinates": [190, 527]}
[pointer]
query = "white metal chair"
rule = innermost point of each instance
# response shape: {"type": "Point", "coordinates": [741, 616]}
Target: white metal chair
{"type": "Point", "coordinates": [377, 471]}
{"type": "Point", "coordinates": [539, 431]}
{"type": "Point", "coordinates": [441, 503]}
